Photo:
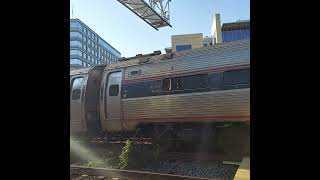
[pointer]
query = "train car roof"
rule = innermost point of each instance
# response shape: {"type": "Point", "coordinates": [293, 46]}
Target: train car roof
{"type": "Point", "coordinates": [220, 47]}
{"type": "Point", "coordinates": [169, 56]}
{"type": "Point", "coordinates": [83, 70]}
{"type": "Point", "coordinates": [80, 71]}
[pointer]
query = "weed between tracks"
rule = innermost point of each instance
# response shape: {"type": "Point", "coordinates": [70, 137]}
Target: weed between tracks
{"type": "Point", "coordinates": [131, 156]}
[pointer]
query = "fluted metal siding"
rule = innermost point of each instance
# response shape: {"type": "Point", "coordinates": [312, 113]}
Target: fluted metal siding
{"type": "Point", "coordinates": [219, 55]}
{"type": "Point", "coordinates": [214, 103]}
{"type": "Point", "coordinates": [199, 60]}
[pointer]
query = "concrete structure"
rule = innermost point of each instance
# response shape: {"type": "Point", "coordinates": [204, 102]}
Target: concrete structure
{"type": "Point", "coordinates": [87, 48]}
{"type": "Point", "coordinates": [168, 50]}
{"type": "Point", "coordinates": [216, 29]}
{"type": "Point", "coordinates": [207, 41]}
{"type": "Point", "coordinates": [243, 172]}
{"type": "Point", "coordinates": [186, 41]}
{"type": "Point", "coordinates": [231, 31]}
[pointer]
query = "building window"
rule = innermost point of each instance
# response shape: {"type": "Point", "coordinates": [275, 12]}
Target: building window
{"type": "Point", "coordinates": [75, 52]}
{"type": "Point", "coordinates": [76, 62]}
{"type": "Point", "coordinates": [73, 61]}
{"type": "Point", "coordinates": [75, 25]}
{"type": "Point", "coordinates": [235, 34]}
{"type": "Point", "coordinates": [75, 43]}
{"type": "Point", "coordinates": [183, 47]}
{"type": "Point", "coordinates": [75, 35]}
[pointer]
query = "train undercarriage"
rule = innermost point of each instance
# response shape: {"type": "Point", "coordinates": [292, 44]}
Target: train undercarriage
{"type": "Point", "coordinates": [227, 138]}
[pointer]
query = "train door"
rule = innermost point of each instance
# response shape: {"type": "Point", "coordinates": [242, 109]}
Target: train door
{"type": "Point", "coordinates": [113, 94]}
{"type": "Point", "coordinates": [75, 104]}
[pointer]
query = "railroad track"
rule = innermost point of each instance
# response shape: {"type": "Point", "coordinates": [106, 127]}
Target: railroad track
{"type": "Point", "coordinates": [199, 156]}
{"type": "Point", "coordinates": [82, 173]}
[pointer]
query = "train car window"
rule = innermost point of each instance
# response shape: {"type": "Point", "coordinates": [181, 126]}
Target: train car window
{"type": "Point", "coordinates": [76, 88]}
{"type": "Point", "coordinates": [215, 81]}
{"type": "Point", "coordinates": [142, 89]}
{"type": "Point", "coordinates": [177, 83]}
{"type": "Point", "coordinates": [236, 79]}
{"type": "Point", "coordinates": [114, 90]}
{"type": "Point", "coordinates": [76, 94]}
{"type": "Point", "coordinates": [244, 77]}
{"type": "Point", "coordinates": [229, 78]}
{"type": "Point", "coordinates": [195, 82]}
{"type": "Point", "coordinates": [135, 90]}
{"type": "Point", "coordinates": [136, 72]}
{"type": "Point", "coordinates": [166, 85]}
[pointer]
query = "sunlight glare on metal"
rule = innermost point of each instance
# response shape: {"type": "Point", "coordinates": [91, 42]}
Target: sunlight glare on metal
{"type": "Point", "coordinates": [81, 151]}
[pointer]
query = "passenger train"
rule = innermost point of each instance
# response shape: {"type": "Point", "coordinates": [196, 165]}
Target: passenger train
{"type": "Point", "coordinates": [195, 93]}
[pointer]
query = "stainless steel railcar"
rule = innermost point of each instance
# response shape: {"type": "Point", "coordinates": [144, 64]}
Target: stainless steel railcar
{"type": "Point", "coordinates": [175, 93]}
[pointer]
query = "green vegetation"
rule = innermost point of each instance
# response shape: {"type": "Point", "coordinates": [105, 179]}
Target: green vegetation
{"type": "Point", "coordinates": [99, 163]}
{"type": "Point", "coordinates": [132, 157]}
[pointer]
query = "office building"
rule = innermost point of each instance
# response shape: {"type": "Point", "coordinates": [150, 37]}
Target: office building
{"type": "Point", "coordinates": [186, 41]}
{"type": "Point", "coordinates": [231, 31]}
{"type": "Point", "coordinates": [87, 48]}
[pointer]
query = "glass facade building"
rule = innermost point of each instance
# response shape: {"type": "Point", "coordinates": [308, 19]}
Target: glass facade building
{"type": "Point", "coordinates": [87, 48]}
{"type": "Point", "coordinates": [235, 31]}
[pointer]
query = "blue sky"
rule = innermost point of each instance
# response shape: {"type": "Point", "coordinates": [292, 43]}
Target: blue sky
{"type": "Point", "coordinates": [130, 35]}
